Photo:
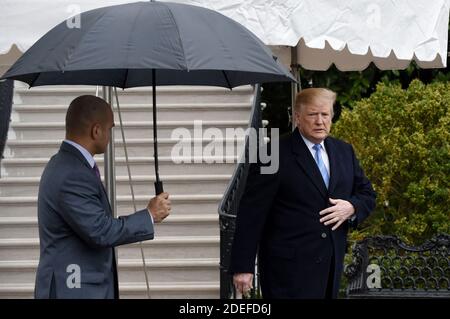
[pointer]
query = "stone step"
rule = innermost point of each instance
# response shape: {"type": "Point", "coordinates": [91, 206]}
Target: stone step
{"type": "Point", "coordinates": [32, 167]}
{"type": "Point", "coordinates": [142, 185]}
{"type": "Point", "coordinates": [55, 95]}
{"type": "Point", "coordinates": [187, 225]}
{"type": "Point", "coordinates": [137, 129]}
{"type": "Point", "coordinates": [141, 112]}
{"type": "Point", "coordinates": [201, 270]}
{"type": "Point", "coordinates": [158, 290]}
{"type": "Point", "coordinates": [26, 206]}
{"type": "Point", "coordinates": [135, 146]}
{"type": "Point", "coordinates": [210, 290]}
{"type": "Point", "coordinates": [162, 247]}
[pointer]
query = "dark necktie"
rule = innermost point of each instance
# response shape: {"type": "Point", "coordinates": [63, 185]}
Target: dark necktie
{"type": "Point", "coordinates": [97, 172]}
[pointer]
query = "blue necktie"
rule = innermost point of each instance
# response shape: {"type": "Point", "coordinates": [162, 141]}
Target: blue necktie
{"type": "Point", "coordinates": [321, 164]}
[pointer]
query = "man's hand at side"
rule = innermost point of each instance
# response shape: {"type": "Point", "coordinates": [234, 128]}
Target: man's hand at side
{"type": "Point", "coordinates": [243, 282]}
{"type": "Point", "coordinates": [159, 207]}
{"type": "Point", "coordinates": [338, 213]}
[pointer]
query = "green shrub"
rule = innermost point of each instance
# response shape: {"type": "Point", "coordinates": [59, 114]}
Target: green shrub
{"type": "Point", "coordinates": [402, 139]}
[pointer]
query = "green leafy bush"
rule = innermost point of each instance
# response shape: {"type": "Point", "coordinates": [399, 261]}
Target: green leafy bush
{"type": "Point", "coordinates": [402, 139]}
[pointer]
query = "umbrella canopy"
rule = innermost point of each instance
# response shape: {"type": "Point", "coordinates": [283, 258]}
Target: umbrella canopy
{"type": "Point", "coordinates": [149, 43]}
{"type": "Point", "coordinates": [121, 45]}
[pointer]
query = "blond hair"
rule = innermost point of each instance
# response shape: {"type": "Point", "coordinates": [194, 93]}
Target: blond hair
{"type": "Point", "coordinates": [309, 95]}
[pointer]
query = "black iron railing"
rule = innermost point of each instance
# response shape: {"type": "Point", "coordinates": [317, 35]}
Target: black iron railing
{"type": "Point", "coordinates": [230, 201]}
{"type": "Point", "coordinates": [385, 267]}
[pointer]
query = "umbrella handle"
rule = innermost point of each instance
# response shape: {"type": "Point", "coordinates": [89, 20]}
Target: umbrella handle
{"type": "Point", "coordinates": [159, 187]}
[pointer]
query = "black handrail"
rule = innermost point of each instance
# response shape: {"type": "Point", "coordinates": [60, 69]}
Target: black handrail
{"type": "Point", "coordinates": [230, 201]}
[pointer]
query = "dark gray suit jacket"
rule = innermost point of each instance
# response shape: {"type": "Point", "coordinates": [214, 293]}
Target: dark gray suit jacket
{"type": "Point", "coordinates": [77, 229]}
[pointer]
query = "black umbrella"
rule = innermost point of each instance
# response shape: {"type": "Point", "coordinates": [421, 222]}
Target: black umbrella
{"type": "Point", "coordinates": [149, 43]}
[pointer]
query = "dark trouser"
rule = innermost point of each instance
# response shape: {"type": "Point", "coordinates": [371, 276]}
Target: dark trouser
{"type": "Point", "coordinates": [329, 292]}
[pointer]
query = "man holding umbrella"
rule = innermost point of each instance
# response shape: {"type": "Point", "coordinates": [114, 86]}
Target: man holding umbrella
{"type": "Point", "coordinates": [76, 228]}
{"type": "Point", "coordinates": [136, 45]}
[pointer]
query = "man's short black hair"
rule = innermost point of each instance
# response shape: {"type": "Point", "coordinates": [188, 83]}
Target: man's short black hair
{"type": "Point", "coordinates": [84, 111]}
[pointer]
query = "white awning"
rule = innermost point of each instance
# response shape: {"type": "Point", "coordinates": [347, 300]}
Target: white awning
{"type": "Point", "coordinates": [350, 33]}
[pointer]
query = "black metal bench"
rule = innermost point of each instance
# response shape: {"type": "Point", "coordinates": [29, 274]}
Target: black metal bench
{"type": "Point", "coordinates": [385, 267]}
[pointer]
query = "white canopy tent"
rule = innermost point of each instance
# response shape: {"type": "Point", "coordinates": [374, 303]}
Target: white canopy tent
{"type": "Point", "coordinates": [351, 33]}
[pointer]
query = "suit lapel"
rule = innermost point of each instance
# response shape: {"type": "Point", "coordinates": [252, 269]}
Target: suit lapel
{"type": "Point", "coordinates": [307, 163]}
{"type": "Point", "coordinates": [66, 147]}
{"type": "Point", "coordinates": [334, 167]}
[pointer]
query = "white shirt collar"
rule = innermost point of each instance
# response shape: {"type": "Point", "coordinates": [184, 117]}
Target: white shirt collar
{"type": "Point", "coordinates": [83, 151]}
{"type": "Point", "coordinates": [310, 144]}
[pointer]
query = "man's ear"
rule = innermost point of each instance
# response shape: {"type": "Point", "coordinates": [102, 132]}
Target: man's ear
{"type": "Point", "coordinates": [295, 117]}
{"type": "Point", "coordinates": [95, 131]}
